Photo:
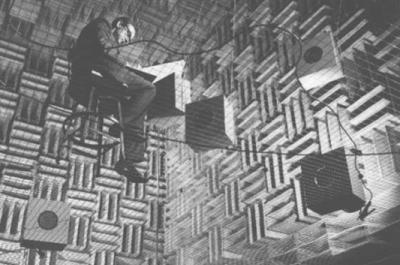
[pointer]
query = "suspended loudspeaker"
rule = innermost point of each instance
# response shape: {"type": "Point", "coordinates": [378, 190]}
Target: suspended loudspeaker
{"type": "Point", "coordinates": [46, 225]}
{"type": "Point", "coordinates": [320, 63]}
{"type": "Point", "coordinates": [164, 103]}
{"type": "Point", "coordinates": [173, 91]}
{"type": "Point", "coordinates": [330, 182]}
{"type": "Point", "coordinates": [209, 124]}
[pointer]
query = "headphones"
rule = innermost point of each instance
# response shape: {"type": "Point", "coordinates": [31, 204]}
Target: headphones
{"type": "Point", "coordinates": [120, 22]}
{"type": "Point", "coordinates": [123, 22]}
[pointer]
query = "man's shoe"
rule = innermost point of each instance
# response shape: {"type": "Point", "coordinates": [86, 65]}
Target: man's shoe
{"type": "Point", "coordinates": [128, 170]}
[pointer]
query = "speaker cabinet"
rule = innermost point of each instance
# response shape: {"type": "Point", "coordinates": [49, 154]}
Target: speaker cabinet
{"type": "Point", "coordinates": [165, 101]}
{"type": "Point", "coordinates": [46, 225]}
{"type": "Point", "coordinates": [209, 124]}
{"type": "Point", "coordinates": [330, 182]}
{"type": "Point", "coordinates": [320, 63]}
{"type": "Point", "coordinates": [173, 92]}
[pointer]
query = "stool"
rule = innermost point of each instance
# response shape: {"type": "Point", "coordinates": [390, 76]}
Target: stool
{"type": "Point", "coordinates": [100, 95]}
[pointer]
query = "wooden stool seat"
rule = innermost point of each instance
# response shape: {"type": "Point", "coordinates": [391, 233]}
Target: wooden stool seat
{"type": "Point", "coordinates": [108, 91]}
{"type": "Point", "coordinates": [108, 86]}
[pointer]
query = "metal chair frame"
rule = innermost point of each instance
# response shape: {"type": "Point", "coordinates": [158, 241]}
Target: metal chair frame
{"type": "Point", "coordinates": [92, 110]}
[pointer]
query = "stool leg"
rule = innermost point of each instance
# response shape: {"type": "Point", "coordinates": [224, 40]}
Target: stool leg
{"type": "Point", "coordinates": [121, 135]}
{"type": "Point", "coordinates": [86, 123]}
{"type": "Point", "coordinates": [66, 137]}
{"type": "Point", "coordinates": [100, 139]}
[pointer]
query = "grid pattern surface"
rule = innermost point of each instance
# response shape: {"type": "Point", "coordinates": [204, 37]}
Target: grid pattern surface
{"type": "Point", "coordinates": [237, 205]}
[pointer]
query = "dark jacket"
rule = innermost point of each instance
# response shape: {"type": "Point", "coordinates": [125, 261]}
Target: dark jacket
{"type": "Point", "coordinates": [90, 53]}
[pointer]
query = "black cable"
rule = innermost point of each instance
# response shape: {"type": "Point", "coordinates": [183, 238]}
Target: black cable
{"type": "Point", "coordinates": [355, 151]}
{"type": "Point", "coordinates": [238, 149]}
{"type": "Point", "coordinates": [146, 41]}
{"type": "Point", "coordinates": [364, 211]}
{"type": "Point", "coordinates": [154, 42]}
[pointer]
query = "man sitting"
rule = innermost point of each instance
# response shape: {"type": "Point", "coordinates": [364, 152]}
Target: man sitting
{"type": "Point", "coordinates": [92, 52]}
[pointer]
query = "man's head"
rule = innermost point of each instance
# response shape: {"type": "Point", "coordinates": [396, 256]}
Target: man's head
{"type": "Point", "coordinates": [122, 30]}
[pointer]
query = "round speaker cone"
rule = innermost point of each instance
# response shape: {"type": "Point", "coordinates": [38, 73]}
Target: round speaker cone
{"type": "Point", "coordinates": [313, 54]}
{"type": "Point", "coordinates": [324, 177]}
{"type": "Point", "coordinates": [48, 220]}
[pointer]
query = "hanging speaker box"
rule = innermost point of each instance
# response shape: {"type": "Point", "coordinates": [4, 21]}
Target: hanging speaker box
{"type": "Point", "coordinates": [165, 102]}
{"type": "Point", "coordinates": [320, 63]}
{"type": "Point", "coordinates": [173, 91]}
{"type": "Point", "coordinates": [46, 225]}
{"type": "Point", "coordinates": [209, 124]}
{"type": "Point", "coordinates": [330, 182]}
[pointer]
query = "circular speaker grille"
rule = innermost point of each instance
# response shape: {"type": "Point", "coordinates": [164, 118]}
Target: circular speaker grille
{"type": "Point", "coordinates": [324, 177]}
{"type": "Point", "coordinates": [313, 54]}
{"type": "Point", "coordinates": [48, 220]}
